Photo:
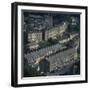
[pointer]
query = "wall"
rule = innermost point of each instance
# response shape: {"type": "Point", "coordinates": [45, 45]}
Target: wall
{"type": "Point", "coordinates": [5, 46]}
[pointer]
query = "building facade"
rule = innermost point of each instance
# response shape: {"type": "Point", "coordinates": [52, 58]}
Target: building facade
{"type": "Point", "coordinates": [34, 37]}
{"type": "Point", "coordinates": [55, 31]}
{"type": "Point", "coordinates": [37, 36]}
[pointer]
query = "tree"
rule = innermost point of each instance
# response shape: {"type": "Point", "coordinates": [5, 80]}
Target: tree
{"type": "Point", "coordinates": [25, 35]}
{"type": "Point", "coordinates": [52, 41]}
